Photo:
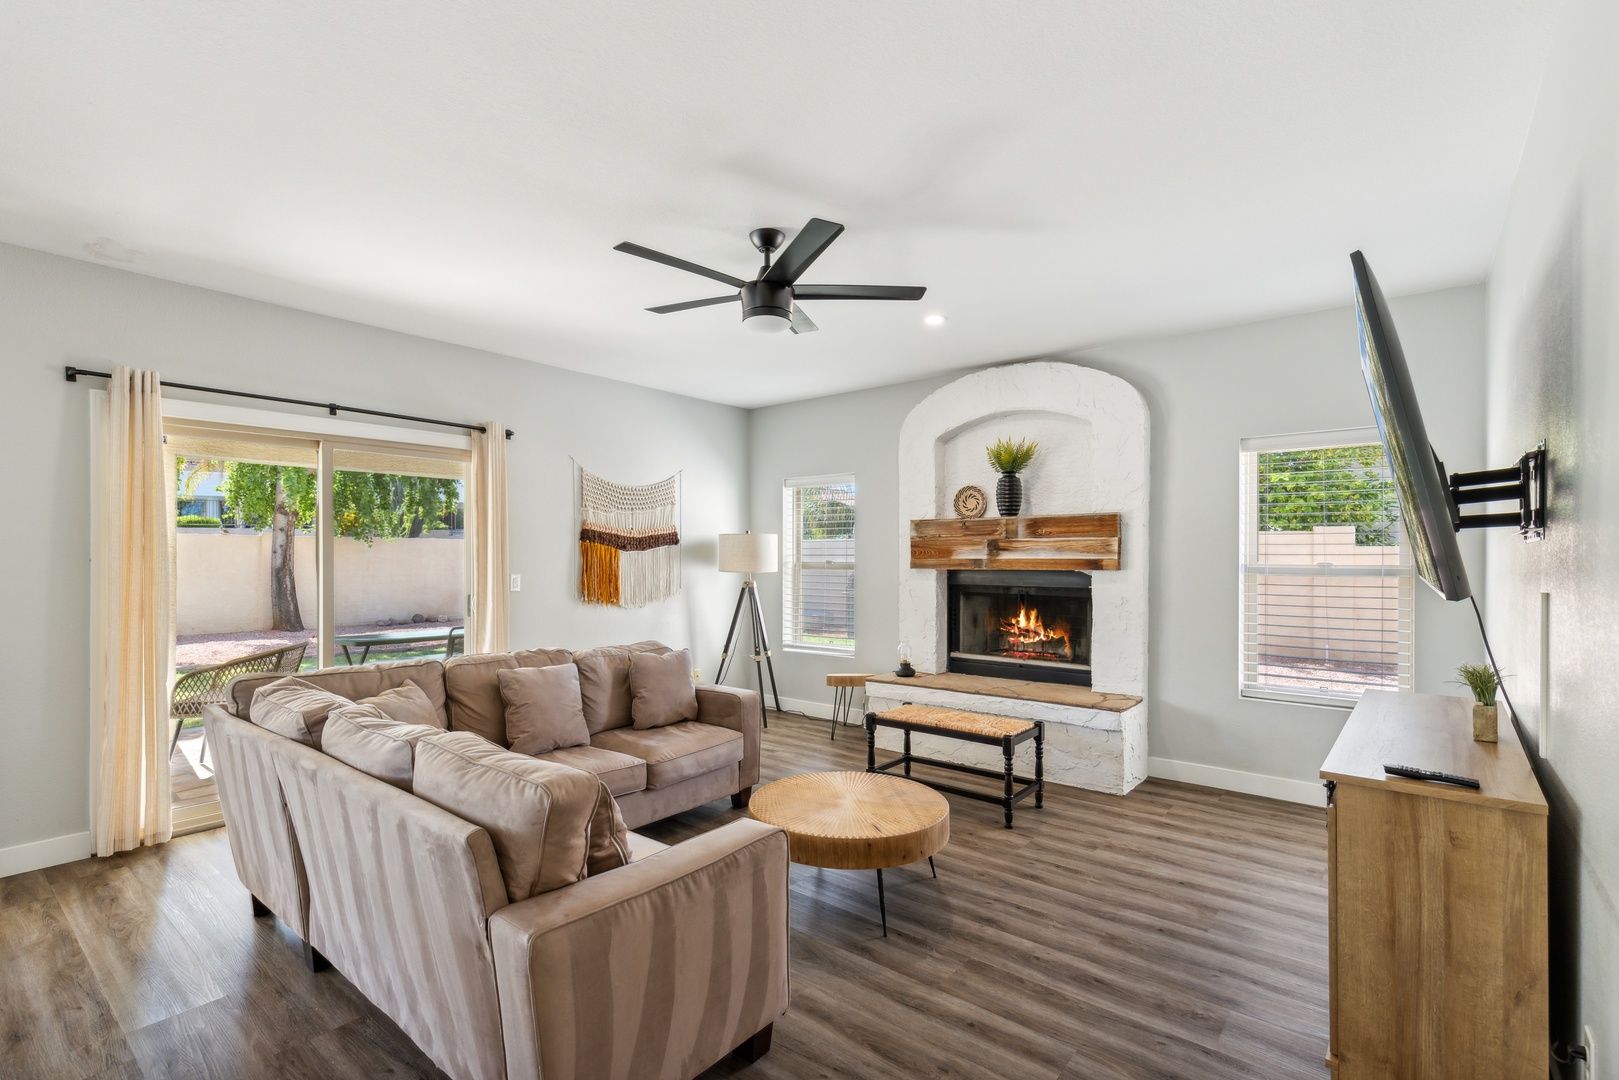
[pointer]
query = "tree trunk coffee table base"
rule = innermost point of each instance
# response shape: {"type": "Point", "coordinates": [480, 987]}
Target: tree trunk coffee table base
{"type": "Point", "coordinates": [856, 821]}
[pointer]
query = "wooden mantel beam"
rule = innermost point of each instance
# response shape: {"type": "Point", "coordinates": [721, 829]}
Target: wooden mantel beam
{"type": "Point", "coordinates": [1052, 542]}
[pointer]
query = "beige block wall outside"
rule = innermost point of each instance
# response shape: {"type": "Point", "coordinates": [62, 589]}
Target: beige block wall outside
{"type": "Point", "coordinates": [223, 580]}
{"type": "Point", "coordinates": [1327, 617]}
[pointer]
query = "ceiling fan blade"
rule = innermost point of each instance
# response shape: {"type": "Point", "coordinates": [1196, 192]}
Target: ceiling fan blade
{"type": "Point", "coordinates": [679, 264]}
{"type": "Point", "coordinates": [859, 292]}
{"type": "Point", "coordinates": [801, 322]}
{"type": "Point", "coordinates": [687, 305]}
{"type": "Point", "coordinates": [814, 238]}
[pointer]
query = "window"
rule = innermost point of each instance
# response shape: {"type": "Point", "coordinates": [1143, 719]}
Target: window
{"type": "Point", "coordinates": [1327, 581]}
{"type": "Point", "coordinates": [817, 588]}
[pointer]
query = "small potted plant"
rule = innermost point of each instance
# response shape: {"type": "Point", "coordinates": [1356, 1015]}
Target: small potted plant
{"type": "Point", "coordinates": [1010, 458]}
{"type": "Point", "coordinates": [1481, 680]}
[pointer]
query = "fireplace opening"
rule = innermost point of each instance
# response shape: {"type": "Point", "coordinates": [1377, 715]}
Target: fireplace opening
{"type": "Point", "coordinates": [1021, 624]}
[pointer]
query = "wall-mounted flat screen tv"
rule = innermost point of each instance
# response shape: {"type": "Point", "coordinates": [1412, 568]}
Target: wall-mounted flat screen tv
{"type": "Point", "coordinates": [1427, 507]}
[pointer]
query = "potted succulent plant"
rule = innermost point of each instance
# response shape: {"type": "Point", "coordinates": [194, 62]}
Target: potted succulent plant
{"type": "Point", "coordinates": [1010, 458]}
{"type": "Point", "coordinates": [1481, 680]}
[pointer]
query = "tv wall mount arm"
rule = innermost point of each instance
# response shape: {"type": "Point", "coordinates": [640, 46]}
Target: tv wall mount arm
{"type": "Point", "coordinates": [1523, 483]}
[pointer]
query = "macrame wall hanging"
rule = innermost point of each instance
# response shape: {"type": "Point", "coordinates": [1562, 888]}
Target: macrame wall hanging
{"type": "Point", "coordinates": [629, 541]}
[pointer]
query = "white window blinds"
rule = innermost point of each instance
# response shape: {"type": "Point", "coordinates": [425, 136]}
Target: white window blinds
{"type": "Point", "coordinates": [817, 589]}
{"type": "Point", "coordinates": [1326, 578]}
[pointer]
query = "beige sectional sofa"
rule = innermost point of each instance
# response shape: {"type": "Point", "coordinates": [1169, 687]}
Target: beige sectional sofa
{"type": "Point", "coordinates": [656, 968]}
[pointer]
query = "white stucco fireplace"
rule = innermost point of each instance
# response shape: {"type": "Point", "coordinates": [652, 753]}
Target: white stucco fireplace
{"type": "Point", "coordinates": [1093, 433]}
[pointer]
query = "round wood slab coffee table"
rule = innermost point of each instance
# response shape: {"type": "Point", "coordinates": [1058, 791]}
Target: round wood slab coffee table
{"type": "Point", "coordinates": [856, 821]}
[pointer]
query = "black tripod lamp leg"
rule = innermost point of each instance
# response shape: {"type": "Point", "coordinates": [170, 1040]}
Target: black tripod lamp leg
{"type": "Point", "coordinates": [730, 636]}
{"type": "Point", "coordinates": [762, 644]}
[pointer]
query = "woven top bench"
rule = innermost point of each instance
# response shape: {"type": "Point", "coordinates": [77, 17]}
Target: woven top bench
{"type": "Point", "coordinates": [971, 723]}
{"type": "Point", "coordinates": [1003, 731]}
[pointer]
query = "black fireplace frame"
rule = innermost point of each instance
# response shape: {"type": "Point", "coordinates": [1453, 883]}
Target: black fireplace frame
{"type": "Point", "coordinates": [1014, 583]}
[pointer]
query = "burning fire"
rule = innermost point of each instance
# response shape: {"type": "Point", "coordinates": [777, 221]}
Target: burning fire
{"type": "Point", "coordinates": [1030, 638]}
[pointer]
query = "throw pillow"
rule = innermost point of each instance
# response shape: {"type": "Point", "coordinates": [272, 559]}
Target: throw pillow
{"type": "Point", "coordinates": [408, 704]}
{"type": "Point", "coordinates": [544, 711]}
{"type": "Point", "coordinates": [550, 825]}
{"type": "Point", "coordinates": [364, 737]}
{"type": "Point", "coordinates": [293, 708]}
{"type": "Point", "coordinates": [661, 689]}
{"type": "Point", "coordinates": [604, 683]}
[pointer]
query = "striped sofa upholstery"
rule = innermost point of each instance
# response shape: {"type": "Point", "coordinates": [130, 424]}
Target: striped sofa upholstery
{"type": "Point", "coordinates": [654, 970]}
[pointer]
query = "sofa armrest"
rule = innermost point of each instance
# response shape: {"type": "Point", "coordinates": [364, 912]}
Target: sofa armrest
{"type": "Point", "coordinates": [739, 710]}
{"type": "Point", "coordinates": [657, 969]}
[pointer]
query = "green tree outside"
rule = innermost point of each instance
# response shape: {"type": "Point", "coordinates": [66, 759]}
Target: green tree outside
{"type": "Point", "coordinates": [367, 507]}
{"type": "Point", "coordinates": [1334, 485]}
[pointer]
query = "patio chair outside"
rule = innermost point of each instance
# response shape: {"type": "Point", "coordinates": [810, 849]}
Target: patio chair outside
{"type": "Point", "coordinates": [206, 685]}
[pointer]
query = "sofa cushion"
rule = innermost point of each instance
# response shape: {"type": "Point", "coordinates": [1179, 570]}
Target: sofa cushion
{"type": "Point", "coordinates": [676, 752]}
{"type": "Point", "coordinates": [604, 683]}
{"type": "Point", "coordinates": [293, 708]}
{"type": "Point", "coordinates": [472, 687]}
{"type": "Point", "coordinates": [353, 683]}
{"type": "Point", "coordinates": [621, 773]}
{"type": "Point", "coordinates": [662, 691]}
{"type": "Point", "coordinates": [408, 704]}
{"type": "Point", "coordinates": [543, 709]}
{"type": "Point", "coordinates": [551, 825]}
{"type": "Point", "coordinates": [365, 737]}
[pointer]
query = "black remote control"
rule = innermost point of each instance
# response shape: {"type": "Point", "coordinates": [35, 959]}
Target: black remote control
{"type": "Point", "coordinates": [1414, 773]}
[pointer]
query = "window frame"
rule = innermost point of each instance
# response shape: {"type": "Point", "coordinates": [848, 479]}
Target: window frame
{"type": "Point", "coordinates": [1404, 571]}
{"type": "Point", "coordinates": [792, 566]}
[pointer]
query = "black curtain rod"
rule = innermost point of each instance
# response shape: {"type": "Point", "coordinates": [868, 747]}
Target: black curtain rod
{"type": "Point", "coordinates": [332, 408]}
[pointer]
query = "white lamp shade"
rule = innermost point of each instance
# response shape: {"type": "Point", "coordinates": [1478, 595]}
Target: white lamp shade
{"type": "Point", "coordinates": [749, 553]}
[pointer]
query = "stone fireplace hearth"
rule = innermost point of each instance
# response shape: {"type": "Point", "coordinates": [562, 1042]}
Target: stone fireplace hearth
{"type": "Point", "coordinates": [1093, 430]}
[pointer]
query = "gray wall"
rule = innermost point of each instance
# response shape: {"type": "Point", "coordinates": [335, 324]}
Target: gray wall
{"type": "Point", "coordinates": [56, 311]}
{"type": "Point", "coordinates": [1206, 391]}
{"type": "Point", "coordinates": [1553, 331]}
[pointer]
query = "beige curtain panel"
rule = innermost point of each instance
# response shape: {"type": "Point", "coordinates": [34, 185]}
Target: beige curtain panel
{"type": "Point", "coordinates": [486, 535]}
{"type": "Point", "coordinates": [134, 629]}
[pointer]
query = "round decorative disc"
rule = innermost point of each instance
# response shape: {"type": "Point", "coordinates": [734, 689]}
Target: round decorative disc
{"type": "Point", "coordinates": [971, 502]}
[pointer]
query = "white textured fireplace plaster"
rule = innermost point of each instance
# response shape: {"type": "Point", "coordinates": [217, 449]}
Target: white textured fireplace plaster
{"type": "Point", "coordinates": [1093, 430]}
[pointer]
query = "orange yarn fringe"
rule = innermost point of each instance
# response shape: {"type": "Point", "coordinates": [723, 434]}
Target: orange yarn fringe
{"type": "Point", "coordinates": [598, 573]}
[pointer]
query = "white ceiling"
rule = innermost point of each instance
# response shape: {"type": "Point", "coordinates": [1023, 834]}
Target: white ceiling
{"type": "Point", "coordinates": [1057, 174]}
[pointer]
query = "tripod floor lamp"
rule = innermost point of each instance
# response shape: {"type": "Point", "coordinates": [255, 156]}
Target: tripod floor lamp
{"type": "Point", "coordinates": [750, 553]}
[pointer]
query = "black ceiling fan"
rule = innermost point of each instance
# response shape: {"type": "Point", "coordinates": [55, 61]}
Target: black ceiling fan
{"type": "Point", "coordinates": [769, 301]}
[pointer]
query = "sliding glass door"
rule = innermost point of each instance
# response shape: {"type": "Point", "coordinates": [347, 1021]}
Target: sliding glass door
{"type": "Point", "coordinates": [296, 552]}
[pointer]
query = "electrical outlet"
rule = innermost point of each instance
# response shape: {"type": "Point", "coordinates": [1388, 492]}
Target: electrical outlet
{"type": "Point", "coordinates": [1590, 1055]}
{"type": "Point", "coordinates": [517, 583]}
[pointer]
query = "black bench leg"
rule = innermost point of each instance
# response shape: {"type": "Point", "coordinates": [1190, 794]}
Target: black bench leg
{"type": "Point", "coordinates": [1039, 765]}
{"type": "Point", "coordinates": [907, 753]}
{"type": "Point", "coordinates": [871, 742]}
{"type": "Point", "coordinates": [259, 909]}
{"type": "Point", "coordinates": [757, 1046]}
{"type": "Point", "coordinates": [1006, 804]}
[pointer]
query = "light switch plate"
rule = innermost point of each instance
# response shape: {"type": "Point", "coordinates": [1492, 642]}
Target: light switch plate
{"type": "Point", "coordinates": [517, 583]}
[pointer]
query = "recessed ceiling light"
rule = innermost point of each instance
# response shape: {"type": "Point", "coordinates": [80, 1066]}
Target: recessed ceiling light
{"type": "Point", "coordinates": [934, 319]}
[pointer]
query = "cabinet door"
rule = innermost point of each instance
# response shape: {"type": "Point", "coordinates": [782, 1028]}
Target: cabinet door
{"type": "Point", "coordinates": [1332, 931]}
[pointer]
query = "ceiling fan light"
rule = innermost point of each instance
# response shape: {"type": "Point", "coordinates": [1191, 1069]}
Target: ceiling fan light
{"type": "Point", "coordinates": [767, 323]}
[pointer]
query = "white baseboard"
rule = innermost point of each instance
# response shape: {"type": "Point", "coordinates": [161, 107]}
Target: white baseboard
{"type": "Point", "coordinates": [42, 853]}
{"type": "Point", "coordinates": [1271, 787]}
{"type": "Point", "coordinates": [820, 710]}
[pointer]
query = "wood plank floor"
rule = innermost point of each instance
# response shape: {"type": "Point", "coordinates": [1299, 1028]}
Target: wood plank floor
{"type": "Point", "coordinates": [1176, 932]}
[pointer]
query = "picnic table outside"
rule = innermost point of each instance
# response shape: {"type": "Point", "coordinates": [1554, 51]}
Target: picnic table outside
{"type": "Point", "coordinates": [454, 638]}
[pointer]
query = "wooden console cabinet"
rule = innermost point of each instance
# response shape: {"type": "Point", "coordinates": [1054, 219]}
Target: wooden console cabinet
{"type": "Point", "coordinates": [1436, 898]}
